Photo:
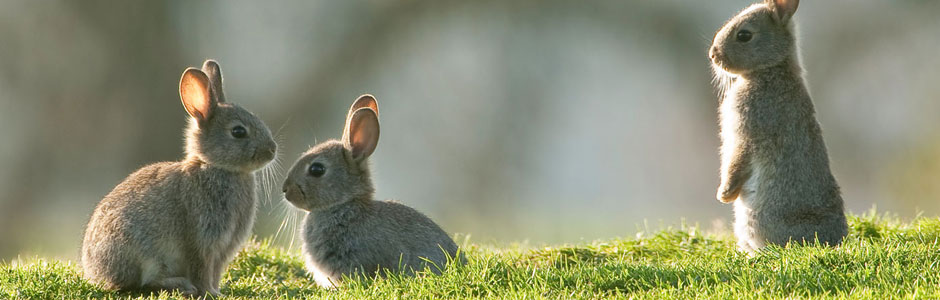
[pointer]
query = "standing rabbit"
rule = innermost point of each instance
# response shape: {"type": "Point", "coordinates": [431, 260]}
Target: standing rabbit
{"type": "Point", "coordinates": [345, 231]}
{"type": "Point", "coordinates": [774, 165]}
{"type": "Point", "coordinates": [176, 225]}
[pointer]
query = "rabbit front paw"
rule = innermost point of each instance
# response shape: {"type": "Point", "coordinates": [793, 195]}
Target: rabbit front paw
{"type": "Point", "coordinates": [726, 194]}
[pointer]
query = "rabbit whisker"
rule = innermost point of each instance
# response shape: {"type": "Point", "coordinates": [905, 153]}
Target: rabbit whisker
{"type": "Point", "coordinates": [285, 221]}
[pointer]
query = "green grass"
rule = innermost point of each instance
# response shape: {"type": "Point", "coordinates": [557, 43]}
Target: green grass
{"type": "Point", "coordinates": [881, 259]}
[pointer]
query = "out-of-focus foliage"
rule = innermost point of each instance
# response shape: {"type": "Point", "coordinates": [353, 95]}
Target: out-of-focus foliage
{"type": "Point", "coordinates": [546, 121]}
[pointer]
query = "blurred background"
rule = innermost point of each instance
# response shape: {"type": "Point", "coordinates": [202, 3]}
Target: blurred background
{"type": "Point", "coordinates": [539, 122]}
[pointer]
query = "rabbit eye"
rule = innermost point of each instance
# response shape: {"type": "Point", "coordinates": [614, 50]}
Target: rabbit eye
{"type": "Point", "coordinates": [744, 36]}
{"type": "Point", "coordinates": [239, 132]}
{"type": "Point", "coordinates": [316, 169]}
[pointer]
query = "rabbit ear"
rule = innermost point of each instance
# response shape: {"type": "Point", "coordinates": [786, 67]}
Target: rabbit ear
{"type": "Point", "coordinates": [196, 95]}
{"type": "Point", "coordinates": [362, 133]}
{"type": "Point", "coordinates": [365, 100]}
{"type": "Point", "coordinates": [214, 72]}
{"type": "Point", "coordinates": [783, 9]}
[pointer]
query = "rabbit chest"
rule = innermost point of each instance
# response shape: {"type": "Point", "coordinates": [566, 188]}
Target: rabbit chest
{"type": "Point", "coordinates": [328, 239]}
{"type": "Point", "coordinates": [225, 213]}
{"type": "Point", "coordinates": [731, 122]}
{"type": "Point", "coordinates": [737, 131]}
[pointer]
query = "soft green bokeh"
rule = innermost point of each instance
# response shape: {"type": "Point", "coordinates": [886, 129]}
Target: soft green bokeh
{"type": "Point", "coordinates": [550, 121]}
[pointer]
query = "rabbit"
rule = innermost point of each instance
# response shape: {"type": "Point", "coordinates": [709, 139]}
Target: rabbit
{"type": "Point", "coordinates": [774, 163]}
{"type": "Point", "coordinates": [176, 225]}
{"type": "Point", "coordinates": [345, 231]}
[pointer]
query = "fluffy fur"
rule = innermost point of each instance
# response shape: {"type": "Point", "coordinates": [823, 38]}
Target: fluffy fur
{"type": "Point", "coordinates": [176, 225]}
{"type": "Point", "coordinates": [345, 231]}
{"type": "Point", "coordinates": [774, 163]}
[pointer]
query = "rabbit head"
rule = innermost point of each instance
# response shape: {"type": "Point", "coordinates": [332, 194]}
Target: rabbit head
{"type": "Point", "coordinates": [759, 37]}
{"type": "Point", "coordinates": [336, 172]}
{"type": "Point", "coordinates": [220, 133]}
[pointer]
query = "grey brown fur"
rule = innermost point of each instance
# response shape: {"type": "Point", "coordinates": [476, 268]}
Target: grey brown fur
{"type": "Point", "coordinates": [176, 225]}
{"type": "Point", "coordinates": [345, 231]}
{"type": "Point", "coordinates": [774, 163]}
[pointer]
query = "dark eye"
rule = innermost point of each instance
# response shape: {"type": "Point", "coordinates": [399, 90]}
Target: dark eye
{"type": "Point", "coordinates": [744, 36]}
{"type": "Point", "coordinates": [239, 132]}
{"type": "Point", "coordinates": [316, 169]}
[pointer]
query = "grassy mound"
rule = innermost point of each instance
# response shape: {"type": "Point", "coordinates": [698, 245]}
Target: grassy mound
{"type": "Point", "coordinates": [881, 259]}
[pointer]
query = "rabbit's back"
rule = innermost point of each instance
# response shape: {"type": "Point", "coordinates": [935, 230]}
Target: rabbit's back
{"type": "Point", "coordinates": [154, 222]}
{"type": "Point", "coordinates": [418, 234]}
{"type": "Point", "coordinates": [119, 238]}
{"type": "Point", "coordinates": [133, 203]}
{"type": "Point", "coordinates": [367, 237]}
{"type": "Point", "coordinates": [791, 193]}
{"type": "Point", "coordinates": [790, 156]}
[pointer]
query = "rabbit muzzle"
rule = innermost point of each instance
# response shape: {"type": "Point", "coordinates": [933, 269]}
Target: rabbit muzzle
{"type": "Point", "coordinates": [295, 195]}
{"type": "Point", "coordinates": [265, 154]}
{"type": "Point", "coordinates": [716, 56]}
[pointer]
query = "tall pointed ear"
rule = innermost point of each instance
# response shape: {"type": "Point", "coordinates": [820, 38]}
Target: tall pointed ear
{"type": "Point", "coordinates": [362, 133]}
{"type": "Point", "coordinates": [214, 72]}
{"type": "Point", "coordinates": [783, 9]}
{"type": "Point", "coordinates": [195, 94]}
{"type": "Point", "coordinates": [365, 100]}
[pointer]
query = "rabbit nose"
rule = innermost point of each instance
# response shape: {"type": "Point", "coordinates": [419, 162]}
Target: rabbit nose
{"type": "Point", "coordinates": [266, 153]}
{"type": "Point", "coordinates": [273, 147]}
{"type": "Point", "coordinates": [713, 52]}
{"type": "Point", "coordinates": [288, 184]}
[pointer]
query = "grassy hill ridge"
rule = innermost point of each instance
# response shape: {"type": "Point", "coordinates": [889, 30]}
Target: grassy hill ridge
{"type": "Point", "coordinates": [881, 259]}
